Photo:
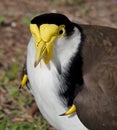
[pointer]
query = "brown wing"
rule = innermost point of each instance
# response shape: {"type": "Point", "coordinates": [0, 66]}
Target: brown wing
{"type": "Point", "coordinates": [97, 102]}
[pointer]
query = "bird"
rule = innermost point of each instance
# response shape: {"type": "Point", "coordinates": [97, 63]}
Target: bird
{"type": "Point", "coordinates": [71, 70]}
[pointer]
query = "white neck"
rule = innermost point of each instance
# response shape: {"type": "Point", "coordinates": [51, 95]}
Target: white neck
{"type": "Point", "coordinates": [46, 82]}
{"type": "Point", "coordinates": [67, 47]}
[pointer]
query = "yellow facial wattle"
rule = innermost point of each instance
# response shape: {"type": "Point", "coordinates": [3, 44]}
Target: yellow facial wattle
{"type": "Point", "coordinates": [44, 38]}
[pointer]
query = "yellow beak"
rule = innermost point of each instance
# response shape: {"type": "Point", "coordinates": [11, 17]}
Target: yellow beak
{"type": "Point", "coordinates": [44, 37]}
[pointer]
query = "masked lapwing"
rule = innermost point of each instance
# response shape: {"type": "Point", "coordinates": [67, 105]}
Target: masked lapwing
{"type": "Point", "coordinates": [73, 68]}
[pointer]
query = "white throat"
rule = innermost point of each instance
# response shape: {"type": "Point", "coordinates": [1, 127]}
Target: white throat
{"type": "Point", "coordinates": [67, 47]}
{"type": "Point", "coordinates": [46, 82]}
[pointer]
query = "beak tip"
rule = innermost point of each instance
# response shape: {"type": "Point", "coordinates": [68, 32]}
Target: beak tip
{"type": "Point", "coordinates": [35, 64]}
{"type": "Point", "coordinates": [62, 114]}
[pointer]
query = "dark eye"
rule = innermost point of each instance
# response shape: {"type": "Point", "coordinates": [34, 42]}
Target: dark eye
{"type": "Point", "coordinates": [61, 32]}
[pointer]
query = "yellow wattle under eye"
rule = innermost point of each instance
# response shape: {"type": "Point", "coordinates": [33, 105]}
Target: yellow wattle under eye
{"type": "Point", "coordinates": [44, 38]}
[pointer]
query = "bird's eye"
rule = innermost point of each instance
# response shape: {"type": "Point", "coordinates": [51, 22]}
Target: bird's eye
{"type": "Point", "coordinates": [61, 30]}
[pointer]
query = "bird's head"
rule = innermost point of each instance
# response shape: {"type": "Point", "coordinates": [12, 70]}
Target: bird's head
{"type": "Point", "coordinates": [45, 30]}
